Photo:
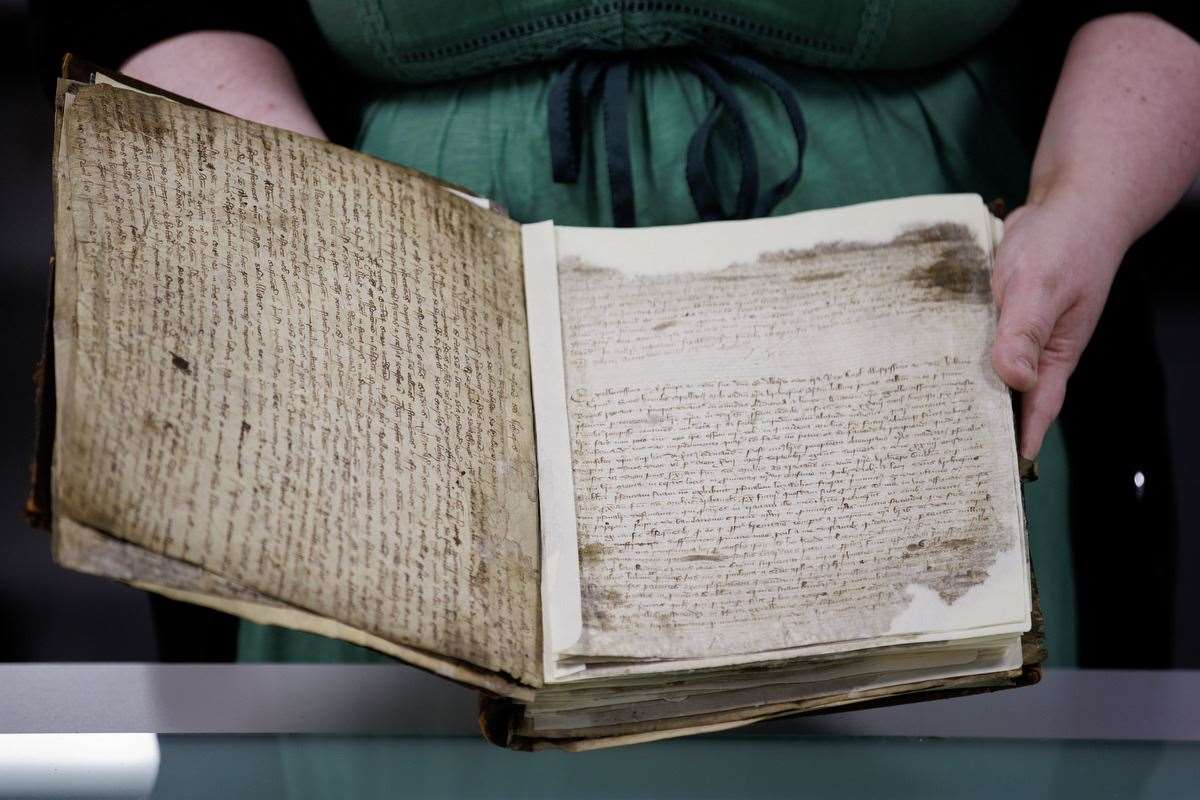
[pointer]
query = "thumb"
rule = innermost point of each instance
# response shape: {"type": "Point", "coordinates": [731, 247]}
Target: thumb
{"type": "Point", "coordinates": [1028, 313]}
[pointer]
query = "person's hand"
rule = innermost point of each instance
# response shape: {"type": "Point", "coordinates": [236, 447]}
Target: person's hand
{"type": "Point", "coordinates": [232, 72]}
{"type": "Point", "coordinates": [1120, 146]}
{"type": "Point", "coordinates": [1053, 271]}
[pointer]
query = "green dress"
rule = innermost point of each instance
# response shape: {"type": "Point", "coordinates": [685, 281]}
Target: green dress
{"type": "Point", "coordinates": [901, 97]}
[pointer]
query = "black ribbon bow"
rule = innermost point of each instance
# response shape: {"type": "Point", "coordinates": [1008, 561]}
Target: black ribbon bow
{"type": "Point", "coordinates": [574, 87]}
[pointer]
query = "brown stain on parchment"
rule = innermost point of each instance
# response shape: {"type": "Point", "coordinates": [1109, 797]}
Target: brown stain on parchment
{"type": "Point", "coordinates": [954, 585]}
{"type": "Point", "coordinates": [598, 603]}
{"type": "Point", "coordinates": [960, 273]}
{"type": "Point", "coordinates": [949, 584]}
{"type": "Point", "coordinates": [591, 553]}
{"type": "Point", "coordinates": [942, 263]}
{"type": "Point", "coordinates": [935, 232]}
{"type": "Point", "coordinates": [958, 269]}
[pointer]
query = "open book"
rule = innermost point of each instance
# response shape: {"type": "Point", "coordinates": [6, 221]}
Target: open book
{"type": "Point", "coordinates": [630, 483]}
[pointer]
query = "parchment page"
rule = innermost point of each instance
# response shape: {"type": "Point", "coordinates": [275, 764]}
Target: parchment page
{"type": "Point", "coordinates": [562, 618]}
{"type": "Point", "coordinates": [84, 549]}
{"type": "Point", "coordinates": [301, 369]}
{"type": "Point", "coordinates": [787, 432]}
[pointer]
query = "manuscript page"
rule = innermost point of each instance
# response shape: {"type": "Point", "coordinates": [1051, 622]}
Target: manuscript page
{"type": "Point", "coordinates": [84, 549]}
{"type": "Point", "coordinates": [787, 433]}
{"type": "Point", "coordinates": [300, 369]}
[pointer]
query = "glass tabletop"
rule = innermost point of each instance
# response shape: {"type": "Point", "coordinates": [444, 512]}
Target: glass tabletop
{"type": "Point", "coordinates": [367, 731]}
{"type": "Point", "coordinates": [808, 767]}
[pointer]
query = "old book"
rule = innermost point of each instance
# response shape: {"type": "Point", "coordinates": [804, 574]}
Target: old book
{"type": "Point", "coordinates": [631, 484]}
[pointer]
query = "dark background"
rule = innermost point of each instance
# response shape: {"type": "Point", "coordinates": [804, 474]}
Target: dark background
{"type": "Point", "coordinates": [1132, 407]}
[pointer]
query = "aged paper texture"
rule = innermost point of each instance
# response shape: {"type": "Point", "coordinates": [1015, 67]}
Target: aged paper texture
{"type": "Point", "coordinates": [304, 370]}
{"type": "Point", "coordinates": [802, 446]}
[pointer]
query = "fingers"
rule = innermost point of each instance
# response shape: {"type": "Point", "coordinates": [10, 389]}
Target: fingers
{"type": "Point", "coordinates": [1041, 404]}
{"type": "Point", "coordinates": [1029, 310]}
{"type": "Point", "coordinates": [1029, 291]}
{"type": "Point", "coordinates": [1050, 283]}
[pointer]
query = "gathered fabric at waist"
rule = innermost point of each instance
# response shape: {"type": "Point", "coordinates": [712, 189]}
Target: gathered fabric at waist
{"type": "Point", "coordinates": [868, 136]}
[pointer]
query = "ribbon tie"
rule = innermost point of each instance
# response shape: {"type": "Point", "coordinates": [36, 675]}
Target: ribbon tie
{"type": "Point", "coordinates": [574, 87]}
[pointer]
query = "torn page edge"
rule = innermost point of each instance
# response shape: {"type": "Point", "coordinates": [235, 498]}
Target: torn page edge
{"type": "Point", "coordinates": [562, 612]}
{"type": "Point", "coordinates": [481, 202]}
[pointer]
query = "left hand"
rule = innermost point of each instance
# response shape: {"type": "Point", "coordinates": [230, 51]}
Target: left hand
{"type": "Point", "coordinates": [1120, 145]}
{"type": "Point", "coordinates": [1053, 270]}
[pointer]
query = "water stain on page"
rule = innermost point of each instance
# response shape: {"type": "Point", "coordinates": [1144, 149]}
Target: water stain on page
{"type": "Point", "coordinates": [591, 553]}
{"type": "Point", "coordinates": [936, 271]}
{"type": "Point", "coordinates": [960, 273]}
{"type": "Point", "coordinates": [951, 265]}
{"type": "Point", "coordinates": [958, 270]}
